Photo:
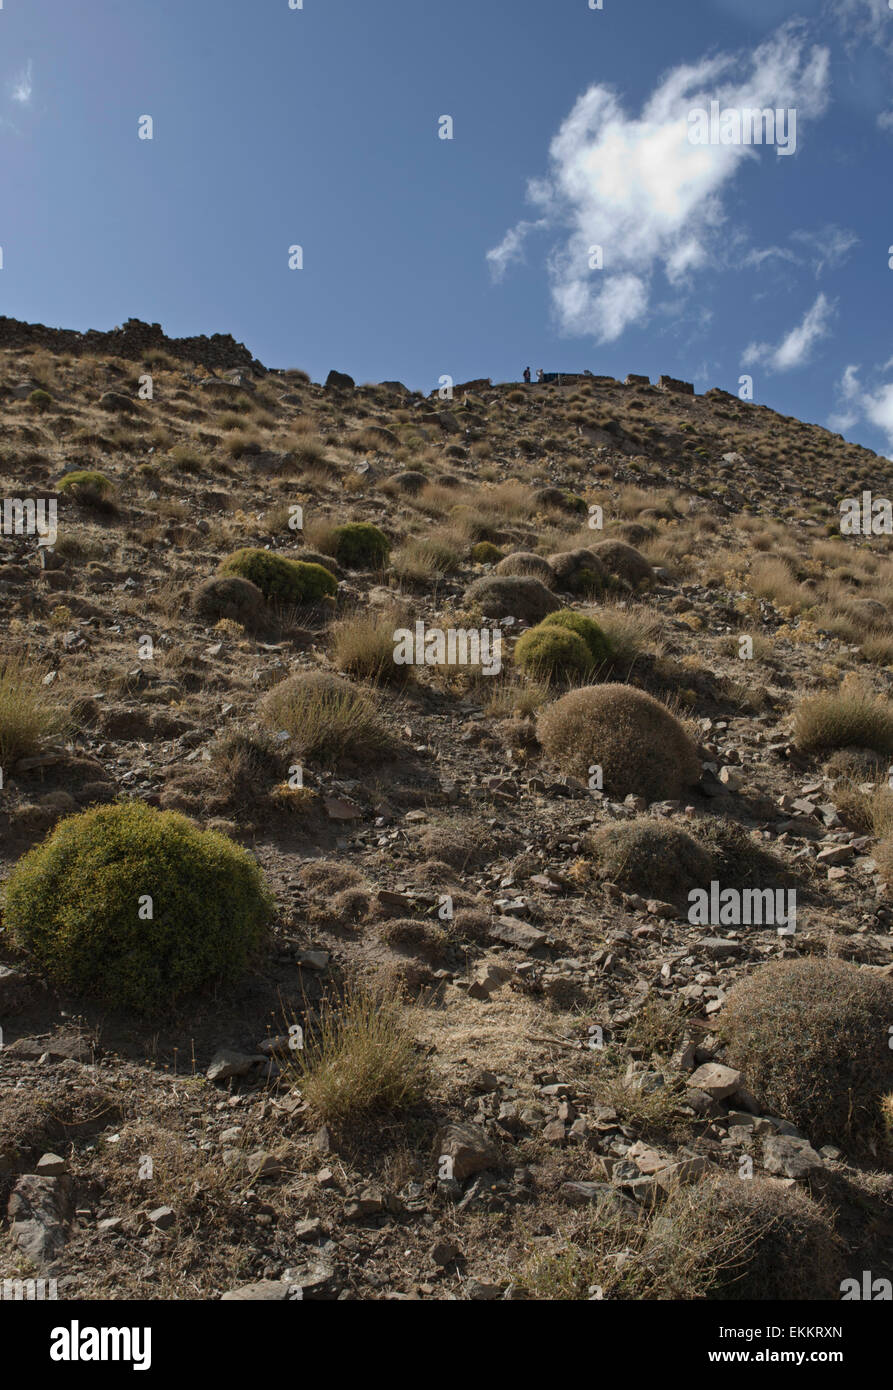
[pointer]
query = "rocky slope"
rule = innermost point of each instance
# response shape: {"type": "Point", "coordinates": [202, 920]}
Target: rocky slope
{"type": "Point", "coordinates": [566, 1011]}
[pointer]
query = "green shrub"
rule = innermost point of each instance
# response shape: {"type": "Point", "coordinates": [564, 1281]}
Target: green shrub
{"type": "Point", "coordinates": [281, 579]}
{"type": "Point", "coordinates": [360, 545]}
{"type": "Point", "coordinates": [40, 400]}
{"type": "Point", "coordinates": [87, 486]}
{"type": "Point", "coordinates": [552, 654]}
{"type": "Point", "coordinates": [74, 904]}
{"type": "Point", "coordinates": [486, 553]}
{"type": "Point", "coordinates": [587, 628]}
{"type": "Point", "coordinates": [811, 1037]}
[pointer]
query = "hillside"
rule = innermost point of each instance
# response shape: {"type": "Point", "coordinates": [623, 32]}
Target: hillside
{"type": "Point", "coordinates": [487, 948]}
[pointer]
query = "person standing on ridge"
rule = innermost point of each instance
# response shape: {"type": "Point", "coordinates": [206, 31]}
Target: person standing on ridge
{"type": "Point", "coordinates": [539, 373]}
{"type": "Point", "coordinates": [527, 375]}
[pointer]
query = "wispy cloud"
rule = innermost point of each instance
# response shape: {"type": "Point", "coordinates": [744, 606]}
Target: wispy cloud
{"type": "Point", "coordinates": [511, 248]}
{"type": "Point", "coordinates": [795, 347]}
{"type": "Point", "coordinates": [637, 187]}
{"type": "Point", "coordinates": [818, 251]}
{"type": "Point", "coordinates": [856, 403]}
{"type": "Point", "coordinates": [23, 85]}
{"type": "Point", "coordinates": [870, 20]}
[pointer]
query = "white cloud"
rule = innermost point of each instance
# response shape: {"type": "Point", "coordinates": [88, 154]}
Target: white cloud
{"type": "Point", "coordinates": [875, 406]}
{"type": "Point", "coordinates": [23, 85]}
{"type": "Point", "coordinates": [879, 409]}
{"type": "Point", "coordinates": [885, 119]}
{"type": "Point", "coordinates": [795, 347]}
{"type": "Point", "coordinates": [820, 250]}
{"type": "Point", "coordinates": [510, 249]}
{"type": "Point", "coordinates": [637, 187]}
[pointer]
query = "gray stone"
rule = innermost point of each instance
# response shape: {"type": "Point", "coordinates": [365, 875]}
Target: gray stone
{"type": "Point", "coordinates": [266, 1291]}
{"type": "Point", "coordinates": [716, 1080]}
{"type": "Point", "coordinates": [794, 1158]}
{"type": "Point", "coordinates": [39, 1214]}
{"type": "Point", "coordinates": [227, 1063]}
{"type": "Point", "coordinates": [468, 1148]}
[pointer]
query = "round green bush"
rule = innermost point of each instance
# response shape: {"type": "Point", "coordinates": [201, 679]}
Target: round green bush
{"type": "Point", "coordinates": [553, 653]}
{"type": "Point", "coordinates": [40, 399]}
{"type": "Point", "coordinates": [486, 553]}
{"type": "Point", "coordinates": [74, 904]}
{"type": "Point", "coordinates": [587, 628]}
{"type": "Point", "coordinates": [360, 545]}
{"type": "Point", "coordinates": [290, 581]}
{"type": "Point", "coordinates": [86, 485]}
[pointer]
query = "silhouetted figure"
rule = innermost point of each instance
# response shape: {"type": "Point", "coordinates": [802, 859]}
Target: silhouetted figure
{"type": "Point", "coordinates": [527, 375]}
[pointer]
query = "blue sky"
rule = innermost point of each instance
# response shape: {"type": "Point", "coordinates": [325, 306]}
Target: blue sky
{"type": "Point", "coordinates": [470, 257]}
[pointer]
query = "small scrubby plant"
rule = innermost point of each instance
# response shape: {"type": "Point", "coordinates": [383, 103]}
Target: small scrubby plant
{"type": "Point", "coordinates": [653, 858]}
{"type": "Point", "coordinates": [553, 653]}
{"type": "Point", "coordinates": [486, 553]}
{"type": "Point", "coordinates": [852, 716]}
{"type": "Point", "coordinates": [624, 561]}
{"type": "Point", "coordinates": [578, 572]}
{"type": "Point", "coordinates": [27, 712]}
{"type": "Point", "coordinates": [281, 579]}
{"type": "Point", "coordinates": [521, 597]}
{"type": "Point", "coordinates": [360, 1060]}
{"type": "Point", "coordinates": [363, 646]}
{"type": "Point", "coordinates": [327, 717]}
{"type": "Point", "coordinates": [78, 905]}
{"type": "Point", "coordinates": [526, 562]}
{"type": "Point", "coordinates": [639, 744]}
{"type": "Point", "coordinates": [229, 596]}
{"type": "Point", "coordinates": [812, 1039]}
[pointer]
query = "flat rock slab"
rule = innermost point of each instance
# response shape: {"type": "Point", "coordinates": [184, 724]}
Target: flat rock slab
{"type": "Point", "coordinates": [716, 1080]}
{"type": "Point", "coordinates": [512, 933]}
{"type": "Point", "coordinates": [227, 1063]}
{"type": "Point", "coordinates": [266, 1291]}
{"type": "Point", "coordinates": [794, 1158]}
